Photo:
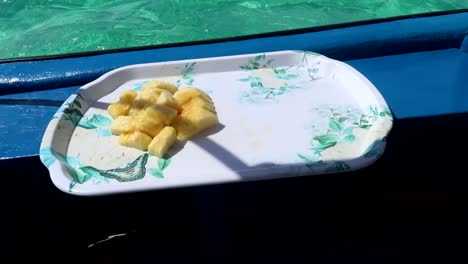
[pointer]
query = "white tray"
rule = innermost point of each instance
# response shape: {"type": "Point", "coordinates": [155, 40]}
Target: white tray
{"type": "Point", "coordinates": [282, 114]}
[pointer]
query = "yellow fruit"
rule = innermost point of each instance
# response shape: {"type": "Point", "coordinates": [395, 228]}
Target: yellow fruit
{"type": "Point", "coordinates": [149, 120]}
{"type": "Point", "coordinates": [128, 97]}
{"type": "Point", "coordinates": [122, 124]}
{"type": "Point", "coordinates": [135, 139]}
{"type": "Point", "coordinates": [198, 102]}
{"type": "Point", "coordinates": [150, 97]}
{"type": "Point", "coordinates": [150, 89]}
{"type": "Point", "coordinates": [118, 109]}
{"type": "Point", "coordinates": [194, 121]}
{"type": "Point", "coordinates": [184, 95]}
{"type": "Point", "coordinates": [165, 98]}
{"type": "Point", "coordinates": [160, 114]}
{"type": "Point", "coordinates": [147, 126]}
{"type": "Point", "coordinates": [142, 101]}
{"type": "Point", "coordinates": [161, 85]}
{"type": "Point", "coordinates": [162, 142]}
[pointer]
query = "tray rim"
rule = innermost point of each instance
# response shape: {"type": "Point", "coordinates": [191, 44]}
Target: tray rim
{"type": "Point", "coordinates": [50, 130]}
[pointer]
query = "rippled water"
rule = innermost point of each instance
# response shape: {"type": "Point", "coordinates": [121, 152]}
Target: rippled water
{"type": "Point", "coordinates": [44, 27]}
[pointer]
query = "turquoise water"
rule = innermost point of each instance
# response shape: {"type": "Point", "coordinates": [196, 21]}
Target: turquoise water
{"type": "Point", "coordinates": [33, 28]}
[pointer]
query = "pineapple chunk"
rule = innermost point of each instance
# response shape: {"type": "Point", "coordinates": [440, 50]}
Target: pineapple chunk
{"type": "Point", "coordinates": [194, 121]}
{"type": "Point", "coordinates": [160, 114]}
{"type": "Point", "coordinates": [162, 142]}
{"type": "Point", "coordinates": [184, 95]}
{"type": "Point", "coordinates": [150, 89]}
{"type": "Point", "coordinates": [142, 101]}
{"type": "Point", "coordinates": [200, 103]}
{"type": "Point", "coordinates": [161, 85]}
{"type": "Point", "coordinates": [149, 120]}
{"type": "Point", "coordinates": [165, 98]}
{"type": "Point", "coordinates": [122, 124]}
{"type": "Point", "coordinates": [147, 126]}
{"type": "Point", "coordinates": [118, 109]}
{"type": "Point", "coordinates": [135, 139]}
{"type": "Point", "coordinates": [149, 96]}
{"type": "Point", "coordinates": [128, 97]}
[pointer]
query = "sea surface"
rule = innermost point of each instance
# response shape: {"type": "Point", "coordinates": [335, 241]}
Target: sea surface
{"type": "Point", "coordinates": [46, 27]}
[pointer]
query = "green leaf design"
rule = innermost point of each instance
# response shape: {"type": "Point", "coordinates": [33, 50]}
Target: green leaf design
{"type": "Point", "coordinates": [77, 103]}
{"type": "Point", "coordinates": [259, 57]}
{"type": "Point", "coordinates": [387, 112]}
{"type": "Point", "coordinates": [72, 185]}
{"type": "Point", "coordinates": [335, 125]}
{"type": "Point", "coordinates": [349, 138]}
{"type": "Point", "coordinates": [306, 158]}
{"type": "Point", "coordinates": [86, 124]}
{"type": "Point", "coordinates": [322, 147]}
{"type": "Point", "coordinates": [100, 121]}
{"type": "Point", "coordinates": [365, 126]}
{"type": "Point", "coordinates": [348, 130]}
{"type": "Point", "coordinates": [73, 173]}
{"type": "Point", "coordinates": [342, 119]}
{"type": "Point", "coordinates": [338, 166]}
{"type": "Point", "coordinates": [326, 139]}
{"type": "Point", "coordinates": [103, 132]}
{"type": "Point", "coordinates": [73, 162]}
{"type": "Point", "coordinates": [47, 157]}
{"type": "Point", "coordinates": [156, 173]}
{"type": "Point", "coordinates": [163, 163]}
{"type": "Point", "coordinates": [91, 171]}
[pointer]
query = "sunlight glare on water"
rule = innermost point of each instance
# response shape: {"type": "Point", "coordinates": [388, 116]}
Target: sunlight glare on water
{"type": "Point", "coordinates": [46, 27]}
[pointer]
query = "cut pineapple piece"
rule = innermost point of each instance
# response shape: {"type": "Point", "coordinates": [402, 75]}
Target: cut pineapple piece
{"type": "Point", "coordinates": [194, 121]}
{"type": "Point", "coordinates": [160, 114]}
{"type": "Point", "coordinates": [128, 97]}
{"type": "Point", "coordinates": [118, 109]}
{"type": "Point", "coordinates": [161, 85]}
{"type": "Point", "coordinates": [135, 139]}
{"type": "Point", "coordinates": [142, 101]}
{"type": "Point", "coordinates": [148, 119]}
{"type": "Point", "coordinates": [148, 96]}
{"type": "Point", "coordinates": [122, 124]}
{"type": "Point", "coordinates": [199, 103]}
{"type": "Point", "coordinates": [162, 142]}
{"type": "Point", "coordinates": [157, 91]}
{"type": "Point", "coordinates": [147, 126]}
{"type": "Point", "coordinates": [184, 95]}
{"type": "Point", "coordinates": [165, 98]}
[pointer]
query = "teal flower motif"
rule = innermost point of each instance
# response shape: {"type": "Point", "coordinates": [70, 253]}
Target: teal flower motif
{"type": "Point", "coordinates": [258, 62]}
{"type": "Point", "coordinates": [342, 122]}
{"type": "Point", "coordinates": [98, 122]}
{"type": "Point", "coordinates": [80, 174]}
{"type": "Point", "coordinates": [71, 109]}
{"type": "Point", "coordinates": [162, 165]}
{"type": "Point", "coordinates": [137, 86]}
{"type": "Point", "coordinates": [72, 165]}
{"type": "Point", "coordinates": [187, 75]}
{"type": "Point", "coordinates": [285, 73]}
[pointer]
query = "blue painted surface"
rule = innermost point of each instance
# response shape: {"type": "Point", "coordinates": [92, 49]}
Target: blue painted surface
{"type": "Point", "coordinates": [417, 84]}
{"type": "Point", "coordinates": [420, 84]}
{"type": "Point", "coordinates": [24, 117]}
{"type": "Point", "coordinates": [403, 36]}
